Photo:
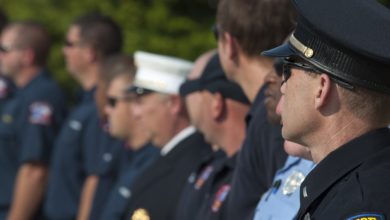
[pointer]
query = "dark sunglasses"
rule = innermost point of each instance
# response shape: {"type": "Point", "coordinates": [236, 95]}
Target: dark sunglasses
{"type": "Point", "coordinates": [112, 101]}
{"type": "Point", "coordinates": [288, 64]}
{"type": "Point", "coordinates": [68, 43]}
{"type": "Point", "coordinates": [216, 29]}
{"type": "Point", "coordinates": [7, 49]}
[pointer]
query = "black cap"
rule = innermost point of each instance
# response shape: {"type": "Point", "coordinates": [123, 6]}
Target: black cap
{"type": "Point", "coordinates": [214, 80]}
{"type": "Point", "coordinates": [348, 39]}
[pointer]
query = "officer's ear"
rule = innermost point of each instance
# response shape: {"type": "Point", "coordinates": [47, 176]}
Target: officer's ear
{"type": "Point", "coordinates": [323, 91]}
{"type": "Point", "coordinates": [231, 47]}
{"type": "Point", "coordinates": [218, 106]}
{"type": "Point", "coordinates": [176, 104]}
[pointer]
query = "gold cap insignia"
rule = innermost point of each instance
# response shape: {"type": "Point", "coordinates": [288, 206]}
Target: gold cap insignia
{"type": "Point", "coordinates": [307, 51]}
{"type": "Point", "coordinates": [140, 214]}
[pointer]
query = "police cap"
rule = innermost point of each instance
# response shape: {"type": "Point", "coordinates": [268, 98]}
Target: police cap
{"type": "Point", "coordinates": [348, 39]}
{"type": "Point", "coordinates": [214, 80]}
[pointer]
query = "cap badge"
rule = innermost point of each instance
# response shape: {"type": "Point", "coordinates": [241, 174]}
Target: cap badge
{"type": "Point", "coordinates": [307, 51]}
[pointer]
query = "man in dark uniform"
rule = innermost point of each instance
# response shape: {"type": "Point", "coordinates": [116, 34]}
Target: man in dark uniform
{"type": "Point", "coordinates": [136, 155]}
{"type": "Point", "coordinates": [222, 106]}
{"type": "Point", "coordinates": [336, 96]}
{"type": "Point", "coordinates": [244, 28]}
{"type": "Point", "coordinates": [90, 39]}
{"type": "Point", "coordinates": [29, 121]}
{"type": "Point", "coordinates": [155, 193]}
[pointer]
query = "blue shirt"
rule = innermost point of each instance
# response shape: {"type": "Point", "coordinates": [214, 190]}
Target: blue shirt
{"type": "Point", "coordinates": [281, 201]}
{"type": "Point", "coordinates": [119, 196]}
{"type": "Point", "coordinates": [28, 126]}
{"type": "Point", "coordinates": [74, 158]}
{"type": "Point", "coordinates": [111, 155]}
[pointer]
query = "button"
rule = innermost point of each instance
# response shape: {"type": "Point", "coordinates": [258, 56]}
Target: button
{"type": "Point", "coordinates": [107, 157]}
{"type": "Point", "coordinates": [125, 192]}
{"type": "Point", "coordinates": [307, 216]}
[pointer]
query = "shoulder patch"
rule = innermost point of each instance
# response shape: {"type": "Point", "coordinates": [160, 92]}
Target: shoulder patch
{"type": "Point", "coordinates": [367, 216]}
{"type": "Point", "coordinates": [40, 113]}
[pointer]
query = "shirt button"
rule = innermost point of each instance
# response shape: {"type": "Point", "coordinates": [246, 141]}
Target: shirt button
{"type": "Point", "coordinates": [107, 157]}
{"type": "Point", "coordinates": [307, 216]}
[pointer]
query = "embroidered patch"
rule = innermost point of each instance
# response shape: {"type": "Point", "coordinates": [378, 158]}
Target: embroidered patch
{"type": "Point", "coordinates": [40, 113]}
{"type": "Point", "coordinates": [367, 216]}
{"type": "Point", "coordinates": [203, 177]}
{"type": "Point", "coordinates": [220, 197]}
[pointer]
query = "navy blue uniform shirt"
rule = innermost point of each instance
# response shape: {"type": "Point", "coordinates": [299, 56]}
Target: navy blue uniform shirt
{"type": "Point", "coordinates": [198, 185]}
{"type": "Point", "coordinates": [214, 206]}
{"type": "Point", "coordinates": [74, 158]}
{"type": "Point", "coordinates": [111, 155]}
{"type": "Point", "coordinates": [352, 182]}
{"type": "Point", "coordinates": [28, 126]}
{"type": "Point", "coordinates": [261, 155]}
{"type": "Point", "coordinates": [130, 169]}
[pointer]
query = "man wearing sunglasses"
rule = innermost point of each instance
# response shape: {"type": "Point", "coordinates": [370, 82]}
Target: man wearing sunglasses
{"type": "Point", "coordinates": [336, 96]}
{"type": "Point", "coordinates": [155, 194]}
{"type": "Point", "coordinates": [29, 122]}
{"type": "Point", "coordinates": [133, 156]}
{"type": "Point", "coordinates": [91, 38]}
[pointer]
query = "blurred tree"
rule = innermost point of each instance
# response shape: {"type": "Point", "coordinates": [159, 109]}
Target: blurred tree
{"type": "Point", "coordinates": [173, 27]}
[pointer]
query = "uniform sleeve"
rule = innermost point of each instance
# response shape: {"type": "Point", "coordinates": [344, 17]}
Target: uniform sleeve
{"type": "Point", "coordinates": [41, 119]}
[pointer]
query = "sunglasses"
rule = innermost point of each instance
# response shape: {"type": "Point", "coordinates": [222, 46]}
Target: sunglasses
{"type": "Point", "coordinates": [68, 43]}
{"type": "Point", "coordinates": [7, 49]}
{"type": "Point", "coordinates": [216, 29]}
{"type": "Point", "coordinates": [288, 65]}
{"type": "Point", "coordinates": [113, 101]}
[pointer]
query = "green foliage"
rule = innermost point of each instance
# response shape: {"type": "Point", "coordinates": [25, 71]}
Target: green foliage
{"type": "Point", "coordinates": [173, 27]}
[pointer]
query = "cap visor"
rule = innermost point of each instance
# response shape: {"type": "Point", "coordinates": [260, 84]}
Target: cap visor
{"type": "Point", "coordinates": [283, 50]}
{"type": "Point", "coordinates": [131, 89]}
{"type": "Point", "coordinates": [189, 87]}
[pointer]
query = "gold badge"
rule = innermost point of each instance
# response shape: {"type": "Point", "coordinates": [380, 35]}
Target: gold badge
{"type": "Point", "coordinates": [292, 183]}
{"type": "Point", "coordinates": [140, 214]}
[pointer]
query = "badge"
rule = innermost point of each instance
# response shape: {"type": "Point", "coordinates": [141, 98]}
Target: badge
{"type": "Point", "coordinates": [203, 177]}
{"type": "Point", "coordinates": [75, 125]}
{"type": "Point", "coordinates": [220, 197]}
{"type": "Point", "coordinates": [140, 214]}
{"type": "Point", "coordinates": [40, 113]}
{"type": "Point", "coordinates": [292, 183]}
{"type": "Point", "coordinates": [367, 216]}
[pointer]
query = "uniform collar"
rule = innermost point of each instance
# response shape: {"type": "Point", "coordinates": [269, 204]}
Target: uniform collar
{"type": "Point", "coordinates": [340, 162]}
{"type": "Point", "coordinates": [176, 139]}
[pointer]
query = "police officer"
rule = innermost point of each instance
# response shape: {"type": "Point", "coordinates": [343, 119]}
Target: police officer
{"type": "Point", "coordinates": [281, 201]}
{"type": "Point", "coordinates": [29, 121]}
{"type": "Point", "coordinates": [89, 40]}
{"type": "Point", "coordinates": [119, 73]}
{"type": "Point", "coordinates": [242, 31]}
{"type": "Point", "coordinates": [223, 106]}
{"type": "Point", "coordinates": [155, 193]}
{"type": "Point", "coordinates": [341, 61]}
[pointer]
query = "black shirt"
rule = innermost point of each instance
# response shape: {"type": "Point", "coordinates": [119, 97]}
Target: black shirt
{"type": "Point", "coordinates": [260, 156]}
{"type": "Point", "coordinates": [352, 182]}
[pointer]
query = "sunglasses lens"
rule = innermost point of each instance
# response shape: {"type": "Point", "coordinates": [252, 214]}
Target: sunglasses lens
{"type": "Point", "coordinates": [111, 101]}
{"type": "Point", "coordinates": [215, 30]}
